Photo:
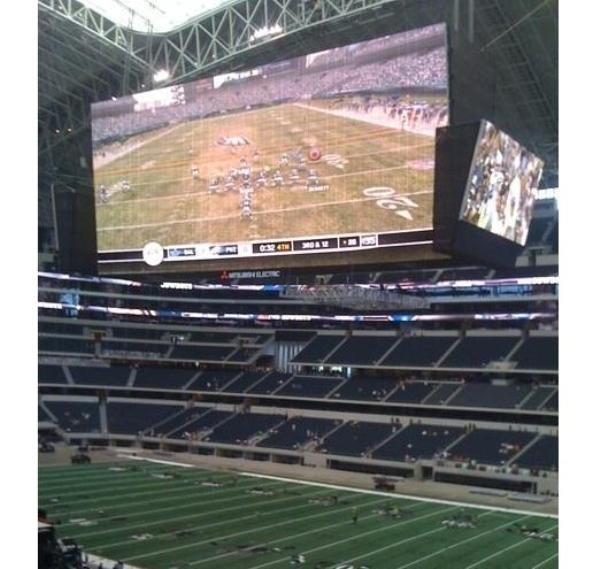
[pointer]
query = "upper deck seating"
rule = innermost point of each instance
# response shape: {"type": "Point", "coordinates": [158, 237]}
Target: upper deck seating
{"type": "Point", "coordinates": [418, 442]}
{"type": "Point", "coordinates": [51, 374]}
{"type": "Point", "coordinates": [318, 349]}
{"type": "Point", "coordinates": [479, 351]}
{"type": "Point", "coordinates": [411, 392]}
{"type": "Point", "coordinates": [355, 438]}
{"type": "Point", "coordinates": [65, 345]}
{"type": "Point", "coordinates": [163, 378]}
{"type": "Point", "coordinates": [538, 353]}
{"type": "Point", "coordinates": [201, 352]}
{"type": "Point", "coordinates": [212, 380]}
{"type": "Point", "coordinates": [76, 416]}
{"type": "Point", "coordinates": [244, 381]}
{"type": "Point", "coordinates": [362, 350]}
{"type": "Point", "coordinates": [419, 351]}
{"type": "Point", "coordinates": [132, 418]}
{"type": "Point", "coordinates": [491, 446]}
{"type": "Point", "coordinates": [241, 428]}
{"type": "Point", "coordinates": [297, 432]}
{"type": "Point", "coordinates": [537, 398]}
{"type": "Point", "coordinates": [203, 421]}
{"type": "Point", "coordinates": [442, 394]}
{"type": "Point", "coordinates": [492, 396]}
{"type": "Point", "coordinates": [111, 376]}
{"type": "Point", "coordinates": [542, 455]}
{"type": "Point", "coordinates": [270, 383]}
{"type": "Point", "coordinates": [310, 386]}
{"type": "Point", "coordinates": [365, 389]}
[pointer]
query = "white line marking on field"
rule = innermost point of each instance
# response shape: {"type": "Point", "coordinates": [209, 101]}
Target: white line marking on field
{"type": "Point", "coordinates": [106, 562]}
{"type": "Point", "coordinates": [403, 496]}
{"type": "Point", "coordinates": [169, 498]}
{"type": "Point", "coordinates": [152, 485]}
{"type": "Point", "coordinates": [109, 477]}
{"type": "Point", "coordinates": [160, 461]}
{"type": "Point", "coordinates": [370, 532]}
{"type": "Point", "coordinates": [297, 535]}
{"type": "Point", "coordinates": [99, 487]}
{"type": "Point", "coordinates": [163, 520]}
{"type": "Point", "coordinates": [501, 551]}
{"type": "Point", "coordinates": [462, 542]}
{"type": "Point", "coordinates": [223, 537]}
{"type": "Point", "coordinates": [541, 564]}
{"type": "Point", "coordinates": [257, 212]}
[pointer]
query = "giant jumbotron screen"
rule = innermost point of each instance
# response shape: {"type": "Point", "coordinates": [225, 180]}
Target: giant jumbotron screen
{"type": "Point", "coordinates": [332, 151]}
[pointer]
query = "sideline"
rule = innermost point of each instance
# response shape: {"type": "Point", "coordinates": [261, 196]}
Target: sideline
{"type": "Point", "coordinates": [361, 491]}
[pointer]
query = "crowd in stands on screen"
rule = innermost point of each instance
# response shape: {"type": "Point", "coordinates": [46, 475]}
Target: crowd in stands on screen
{"type": "Point", "coordinates": [424, 69]}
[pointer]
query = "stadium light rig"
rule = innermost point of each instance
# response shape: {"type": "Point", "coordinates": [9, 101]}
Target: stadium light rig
{"type": "Point", "coordinates": [266, 32]}
{"type": "Point", "coordinates": [161, 75]}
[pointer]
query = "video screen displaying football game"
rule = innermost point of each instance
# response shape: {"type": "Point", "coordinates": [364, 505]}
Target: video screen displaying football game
{"type": "Point", "coordinates": [500, 194]}
{"type": "Point", "coordinates": [329, 151]}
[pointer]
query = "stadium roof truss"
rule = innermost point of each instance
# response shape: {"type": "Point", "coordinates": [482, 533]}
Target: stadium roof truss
{"type": "Point", "coordinates": [84, 56]}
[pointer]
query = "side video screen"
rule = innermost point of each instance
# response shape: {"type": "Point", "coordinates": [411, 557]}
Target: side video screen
{"type": "Point", "coordinates": [500, 194]}
{"type": "Point", "coordinates": [329, 151]}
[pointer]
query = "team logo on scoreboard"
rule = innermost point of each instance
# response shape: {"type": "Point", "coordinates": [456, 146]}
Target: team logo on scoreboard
{"type": "Point", "coordinates": [233, 141]}
{"type": "Point", "coordinates": [153, 253]}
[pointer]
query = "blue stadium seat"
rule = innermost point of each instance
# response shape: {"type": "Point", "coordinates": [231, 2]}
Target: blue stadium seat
{"type": "Point", "coordinates": [490, 446]}
{"type": "Point", "coordinates": [110, 376]}
{"type": "Point", "coordinates": [241, 428]}
{"type": "Point", "coordinates": [76, 416]}
{"type": "Point", "coordinates": [418, 442]}
{"type": "Point", "coordinates": [310, 386]}
{"type": "Point", "coordinates": [355, 438]}
{"type": "Point", "coordinates": [362, 350]}
{"type": "Point", "coordinates": [132, 418]}
{"type": "Point", "coordinates": [419, 351]}
{"type": "Point", "coordinates": [541, 455]}
{"type": "Point", "coordinates": [163, 378]}
{"type": "Point", "coordinates": [297, 432]}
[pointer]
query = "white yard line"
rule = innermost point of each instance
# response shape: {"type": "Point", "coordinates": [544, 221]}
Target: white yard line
{"type": "Point", "coordinates": [542, 563]}
{"type": "Point", "coordinates": [361, 535]}
{"type": "Point", "coordinates": [236, 215]}
{"type": "Point", "coordinates": [161, 461]}
{"type": "Point", "coordinates": [501, 551]}
{"type": "Point", "coordinates": [169, 498]}
{"type": "Point", "coordinates": [178, 507]}
{"type": "Point", "coordinates": [458, 544]}
{"type": "Point", "coordinates": [296, 535]}
{"type": "Point", "coordinates": [403, 496]}
{"type": "Point", "coordinates": [177, 490]}
{"type": "Point", "coordinates": [228, 521]}
{"type": "Point", "coordinates": [206, 193]}
{"type": "Point", "coordinates": [107, 477]}
{"type": "Point", "coordinates": [395, 544]}
{"type": "Point", "coordinates": [153, 486]}
{"type": "Point", "coordinates": [106, 562]}
{"type": "Point", "coordinates": [228, 536]}
{"type": "Point", "coordinates": [147, 478]}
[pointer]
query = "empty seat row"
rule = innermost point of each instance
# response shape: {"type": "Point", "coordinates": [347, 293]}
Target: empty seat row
{"type": "Point", "coordinates": [471, 352]}
{"type": "Point", "coordinates": [490, 446]}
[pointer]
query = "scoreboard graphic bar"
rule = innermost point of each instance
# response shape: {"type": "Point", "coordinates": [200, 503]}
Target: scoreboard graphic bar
{"type": "Point", "coordinates": [203, 251]}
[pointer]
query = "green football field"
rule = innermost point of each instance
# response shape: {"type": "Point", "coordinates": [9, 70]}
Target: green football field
{"type": "Point", "coordinates": [162, 202]}
{"type": "Point", "coordinates": [165, 517]}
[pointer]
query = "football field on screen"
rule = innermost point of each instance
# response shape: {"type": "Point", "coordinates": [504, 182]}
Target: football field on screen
{"type": "Point", "coordinates": [157, 516]}
{"type": "Point", "coordinates": [163, 203]}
